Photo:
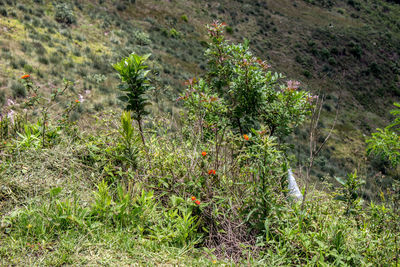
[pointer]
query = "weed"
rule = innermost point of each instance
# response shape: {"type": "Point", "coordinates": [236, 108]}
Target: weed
{"type": "Point", "coordinates": [3, 12]}
{"type": "Point", "coordinates": [43, 60]}
{"type": "Point", "coordinates": [28, 68]}
{"type": "Point", "coordinates": [18, 90]}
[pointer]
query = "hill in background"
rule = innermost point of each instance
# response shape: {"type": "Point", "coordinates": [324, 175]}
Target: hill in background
{"type": "Point", "coordinates": [347, 48]}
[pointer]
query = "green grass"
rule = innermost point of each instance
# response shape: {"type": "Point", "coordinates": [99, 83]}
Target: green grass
{"type": "Point", "coordinates": [48, 199]}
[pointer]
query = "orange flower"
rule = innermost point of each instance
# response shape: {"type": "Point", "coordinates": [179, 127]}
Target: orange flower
{"type": "Point", "coordinates": [76, 100]}
{"type": "Point", "coordinates": [203, 153]}
{"type": "Point", "coordinates": [246, 137]}
{"type": "Point", "coordinates": [211, 172]}
{"type": "Point", "coordinates": [197, 202]}
{"type": "Point", "coordinates": [25, 76]}
{"type": "Point", "coordinates": [193, 198]}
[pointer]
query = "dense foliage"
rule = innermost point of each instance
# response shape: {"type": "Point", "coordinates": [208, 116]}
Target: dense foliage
{"type": "Point", "coordinates": [386, 142]}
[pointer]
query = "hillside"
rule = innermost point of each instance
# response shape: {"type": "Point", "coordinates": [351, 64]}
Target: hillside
{"type": "Point", "coordinates": [347, 48]}
{"type": "Point", "coordinates": [57, 75]}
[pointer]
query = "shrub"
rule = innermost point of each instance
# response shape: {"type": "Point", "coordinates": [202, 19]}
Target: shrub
{"type": "Point", "coordinates": [98, 107]}
{"type": "Point", "coordinates": [2, 97]}
{"type": "Point", "coordinates": [350, 192]}
{"type": "Point", "coordinates": [22, 8]}
{"type": "Point", "coordinates": [184, 18]}
{"type": "Point", "coordinates": [239, 112]}
{"type": "Point", "coordinates": [43, 60]}
{"type": "Point", "coordinates": [174, 33]}
{"type": "Point", "coordinates": [22, 62]}
{"type": "Point", "coordinates": [26, 47]}
{"type": "Point", "coordinates": [385, 142]}
{"type": "Point", "coordinates": [64, 14]}
{"type": "Point", "coordinates": [307, 74]}
{"type": "Point", "coordinates": [28, 68]}
{"type": "Point", "coordinates": [332, 61]}
{"type": "Point", "coordinates": [54, 58]}
{"type": "Point", "coordinates": [39, 48]}
{"type": "Point", "coordinates": [3, 12]}
{"type": "Point", "coordinates": [121, 6]}
{"type": "Point", "coordinates": [355, 49]}
{"type": "Point", "coordinates": [142, 38]}
{"type": "Point", "coordinates": [13, 63]}
{"type": "Point", "coordinates": [18, 90]}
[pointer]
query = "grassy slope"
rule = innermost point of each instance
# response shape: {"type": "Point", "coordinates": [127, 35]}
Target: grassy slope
{"type": "Point", "coordinates": [337, 48]}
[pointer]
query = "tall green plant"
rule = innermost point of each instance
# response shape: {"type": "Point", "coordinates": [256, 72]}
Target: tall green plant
{"type": "Point", "coordinates": [350, 191]}
{"type": "Point", "coordinates": [386, 142]}
{"type": "Point", "coordinates": [129, 139]}
{"type": "Point", "coordinates": [135, 83]}
{"type": "Point", "coordinates": [267, 164]}
{"type": "Point", "coordinates": [239, 94]}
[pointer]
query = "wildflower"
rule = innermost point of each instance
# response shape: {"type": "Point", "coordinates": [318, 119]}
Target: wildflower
{"type": "Point", "coordinates": [197, 202]}
{"type": "Point", "coordinates": [245, 62]}
{"type": "Point", "coordinates": [211, 172]}
{"type": "Point", "coordinates": [246, 137]}
{"type": "Point", "coordinates": [311, 98]}
{"type": "Point", "coordinates": [193, 198]}
{"type": "Point", "coordinates": [29, 226]}
{"type": "Point", "coordinates": [25, 76]}
{"type": "Point", "coordinates": [81, 99]}
{"type": "Point", "coordinates": [204, 153]}
{"type": "Point", "coordinates": [77, 100]}
{"type": "Point", "coordinates": [292, 85]}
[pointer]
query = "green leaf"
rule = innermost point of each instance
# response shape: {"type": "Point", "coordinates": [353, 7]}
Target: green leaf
{"type": "Point", "coordinates": [123, 98]}
{"type": "Point", "coordinates": [341, 198]}
{"type": "Point", "coordinates": [55, 191]}
{"type": "Point", "coordinates": [340, 180]}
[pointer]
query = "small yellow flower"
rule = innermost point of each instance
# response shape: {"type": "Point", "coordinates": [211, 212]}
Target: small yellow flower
{"type": "Point", "coordinates": [29, 226]}
{"type": "Point", "coordinates": [214, 261]}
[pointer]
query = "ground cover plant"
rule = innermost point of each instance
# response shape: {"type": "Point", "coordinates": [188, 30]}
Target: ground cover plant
{"type": "Point", "coordinates": [202, 187]}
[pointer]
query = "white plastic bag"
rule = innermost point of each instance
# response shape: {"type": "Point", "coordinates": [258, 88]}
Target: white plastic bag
{"type": "Point", "coordinates": [294, 190]}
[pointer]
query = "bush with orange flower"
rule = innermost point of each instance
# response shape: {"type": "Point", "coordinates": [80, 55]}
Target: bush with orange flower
{"type": "Point", "coordinates": [241, 112]}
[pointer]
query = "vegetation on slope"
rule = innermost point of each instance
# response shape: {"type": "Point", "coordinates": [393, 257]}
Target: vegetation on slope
{"type": "Point", "coordinates": [207, 186]}
{"type": "Point", "coordinates": [80, 186]}
{"type": "Point", "coordinates": [331, 46]}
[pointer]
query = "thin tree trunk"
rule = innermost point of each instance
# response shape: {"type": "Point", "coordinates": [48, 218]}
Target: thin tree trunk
{"type": "Point", "coordinates": [141, 131]}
